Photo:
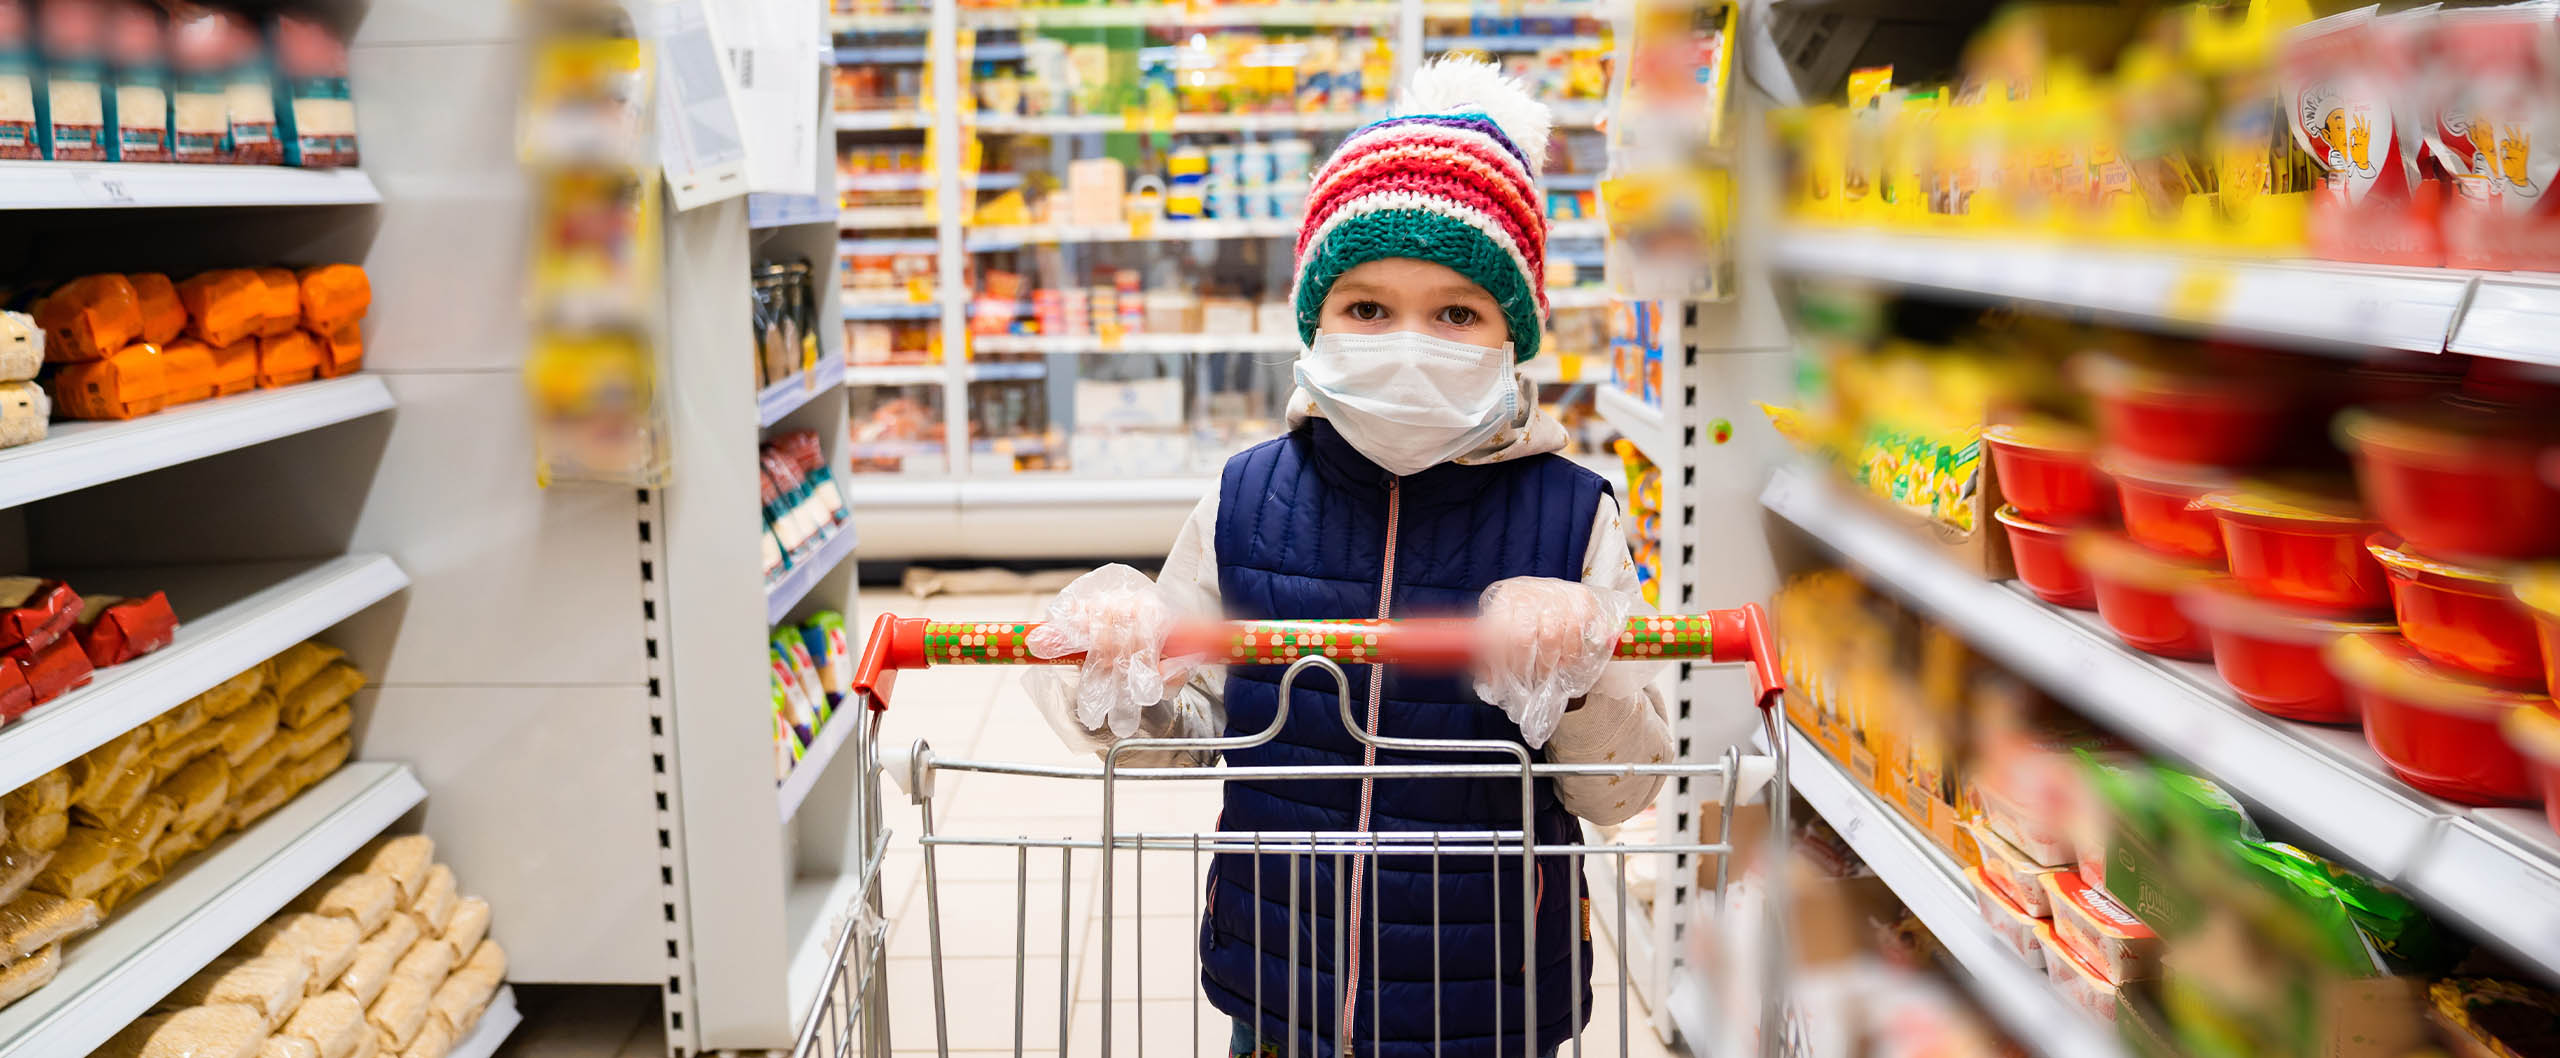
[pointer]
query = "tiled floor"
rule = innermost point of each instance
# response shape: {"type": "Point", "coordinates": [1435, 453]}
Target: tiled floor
{"type": "Point", "coordinates": [990, 994]}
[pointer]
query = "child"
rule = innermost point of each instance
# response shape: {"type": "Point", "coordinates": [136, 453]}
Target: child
{"type": "Point", "coordinates": [1418, 477]}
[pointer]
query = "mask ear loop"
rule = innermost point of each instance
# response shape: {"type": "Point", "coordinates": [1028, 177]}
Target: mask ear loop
{"type": "Point", "coordinates": [1524, 399]}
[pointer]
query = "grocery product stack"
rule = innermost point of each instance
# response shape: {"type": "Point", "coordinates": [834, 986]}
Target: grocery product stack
{"type": "Point", "coordinates": [129, 81]}
{"type": "Point", "coordinates": [381, 957]}
{"type": "Point", "coordinates": [812, 670]}
{"type": "Point", "coordinates": [802, 509]}
{"type": "Point", "coordinates": [53, 639]}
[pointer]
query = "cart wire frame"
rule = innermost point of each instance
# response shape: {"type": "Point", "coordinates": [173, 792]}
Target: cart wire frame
{"type": "Point", "coordinates": [850, 1015]}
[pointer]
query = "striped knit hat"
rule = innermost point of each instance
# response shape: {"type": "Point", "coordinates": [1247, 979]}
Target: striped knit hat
{"type": "Point", "coordinates": [1451, 179]}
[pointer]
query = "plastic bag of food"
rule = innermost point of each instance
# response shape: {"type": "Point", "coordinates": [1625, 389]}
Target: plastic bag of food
{"type": "Point", "coordinates": [326, 944]}
{"type": "Point", "coordinates": [427, 962]}
{"type": "Point", "coordinates": [21, 346]}
{"type": "Point", "coordinates": [249, 728]}
{"type": "Point", "coordinates": [224, 306]}
{"type": "Point", "coordinates": [18, 868]}
{"type": "Point", "coordinates": [466, 993]}
{"type": "Point", "coordinates": [270, 984]}
{"type": "Point", "coordinates": [283, 301]}
{"type": "Point", "coordinates": [53, 670]}
{"type": "Point", "coordinates": [260, 764]}
{"type": "Point", "coordinates": [179, 722]}
{"type": "Point", "coordinates": [49, 792]}
{"type": "Point", "coordinates": [332, 1020]}
{"type": "Point", "coordinates": [435, 1040]}
{"type": "Point", "coordinates": [26, 975]}
{"type": "Point", "coordinates": [35, 611]}
{"type": "Point", "coordinates": [228, 696]}
{"type": "Point", "coordinates": [98, 767]}
{"type": "Point", "coordinates": [365, 899]}
{"type": "Point", "coordinates": [115, 630]}
{"type": "Point", "coordinates": [402, 1009]}
{"type": "Point", "coordinates": [140, 830]}
{"type": "Point", "coordinates": [323, 761]}
{"type": "Point", "coordinates": [404, 859]}
{"type": "Point", "coordinates": [89, 317]}
{"type": "Point", "coordinates": [16, 696]}
{"type": "Point", "coordinates": [287, 359]}
{"type": "Point", "coordinates": [88, 859]}
{"type": "Point", "coordinates": [174, 846]}
{"type": "Point", "coordinates": [375, 958]}
{"type": "Point", "coordinates": [302, 742]}
{"type": "Point", "coordinates": [163, 319]}
{"type": "Point", "coordinates": [469, 924]}
{"type": "Point", "coordinates": [434, 903]}
{"type": "Point", "coordinates": [225, 1031]}
{"type": "Point", "coordinates": [288, 1047]}
{"type": "Point", "coordinates": [125, 384]}
{"type": "Point", "coordinates": [335, 296]}
{"type": "Point", "coordinates": [235, 367]}
{"type": "Point", "coordinates": [341, 351]}
{"type": "Point", "coordinates": [187, 367]}
{"type": "Point", "coordinates": [199, 789]}
{"type": "Point", "coordinates": [116, 799]}
{"type": "Point", "coordinates": [34, 920]}
{"type": "Point", "coordinates": [326, 688]}
{"type": "Point", "coordinates": [262, 797]}
{"type": "Point", "coordinates": [42, 833]}
{"type": "Point", "coordinates": [300, 662]}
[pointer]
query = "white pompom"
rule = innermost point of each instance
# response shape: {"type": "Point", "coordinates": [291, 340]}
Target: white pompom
{"type": "Point", "coordinates": [1460, 85]}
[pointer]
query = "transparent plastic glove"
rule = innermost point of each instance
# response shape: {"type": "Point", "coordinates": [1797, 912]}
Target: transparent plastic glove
{"type": "Point", "coordinates": [1541, 643]}
{"type": "Point", "coordinates": [1118, 619]}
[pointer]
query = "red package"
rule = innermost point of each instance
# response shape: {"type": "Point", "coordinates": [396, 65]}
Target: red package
{"type": "Point", "coordinates": [15, 696]}
{"type": "Point", "coordinates": [56, 669]}
{"type": "Point", "coordinates": [35, 611]}
{"type": "Point", "coordinates": [2495, 75]}
{"type": "Point", "coordinates": [2350, 90]}
{"type": "Point", "coordinates": [114, 630]}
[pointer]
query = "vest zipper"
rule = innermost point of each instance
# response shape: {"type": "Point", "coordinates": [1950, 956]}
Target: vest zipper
{"type": "Point", "coordinates": [1369, 758]}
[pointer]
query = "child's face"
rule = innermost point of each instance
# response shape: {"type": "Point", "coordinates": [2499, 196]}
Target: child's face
{"type": "Point", "coordinates": [1406, 294]}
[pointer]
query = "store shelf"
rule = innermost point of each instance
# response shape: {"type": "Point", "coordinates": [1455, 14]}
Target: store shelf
{"type": "Point", "coordinates": [783, 211]}
{"type": "Point", "coordinates": [1281, 14]}
{"type": "Point", "coordinates": [787, 590]}
{"type": "Point", "coordinates": [861, 218]}
{"type": "Point", "coordinates": [782, 398]}
{"type": "Point", "coordinates": [880, 120]}
{"type": "Point", "coordinates": [1026, 490]}
{"type": "Point", "coordinates": [1505, 10]}
{"type": "Point", "coordinates": [898, 307]}
{"type": "Point", "coordinates": [1929, 883]}
{"type": "Point", "coordinates": [168, 932]}
{"type": "Point", "coordinates": [2498, 869]}
{"type": "Point", "coordinates": [813, 912]}
{"type": "Point", "coordinates": [1576, 229]}
{"type": "Point", "coordinates": [1641, 423]}
{"type": "Point", "coordinates": [794, 788]}
{"type": "Point", "coordinates": [991, 238]}
{"type": "Point", "coordinates": [1571, 181]}
{"type": "Point", "coordinates": [881, 22]}
{"type": "Point", "coordinates": [120, 185]}
{"type": "Point", "coordinates": [1505, 43]}
{"type": "Point", "coordinates": [895, 374]}
{"type": "Point", "coordinates": [229, 618]}
{"type": "Point", "coordinates": [2293, 303]}
{"type": "Point", "coordinates": [891, 54]}
{"type": "Point", "coordinates": [1591, 297]}
{"type": "Point", "coordinates": [496, 1024]}
{"type": "Point", "coordinates": [1071, 124]}
{"type": "Point", "coordinates": [1136, 343]}
{"type": "Point", "coordinates": [76, 455]}
{"type": "Point", "coordinates": [2511, 317]}
{"type": "Point", "coordinates": [889, 246]}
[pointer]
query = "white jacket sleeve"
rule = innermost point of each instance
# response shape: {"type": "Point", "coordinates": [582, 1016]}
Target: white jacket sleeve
{"type": "Point", "coordinates": [1624, 719]}
{"type": "Point", "coordinates": [1191, 571]}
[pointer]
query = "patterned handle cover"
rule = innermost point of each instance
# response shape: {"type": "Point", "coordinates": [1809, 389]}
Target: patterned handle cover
{"type": "Point", "coordinates": [1668, 636]}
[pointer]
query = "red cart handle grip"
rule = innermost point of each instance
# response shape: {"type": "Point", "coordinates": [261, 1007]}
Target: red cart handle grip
{"type": "Point", "coordinates": [896, 643]}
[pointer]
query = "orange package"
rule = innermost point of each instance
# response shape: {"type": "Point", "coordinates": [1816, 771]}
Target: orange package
{"type": "Point", "coordinates": [224, 306]}
{"type": "Point", "coordinates": [342, 351]}
{"type": "Point", "coordinates": [235, 367]}
{"type": "Point", "coordinates": [284, 301]}
{"type": "Point", "coordinates": [334, 297]}
{"type": "Point", "coordinates": [188, 365]}
{"type": "Point", "coordinates": [89, 317]}
{"type": "Point", "coordinates": [289, 358]}
{"type": "Point", "coordinates": [163, 319]}
{"type": "Point", "coordinates": [124, 386]}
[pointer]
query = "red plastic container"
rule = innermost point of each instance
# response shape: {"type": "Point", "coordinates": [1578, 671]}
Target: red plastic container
{"type": "Point", "coordinates": [2177, 417]}
{"type": "Point", "coordinates": [2137, 593]}
{"type": "Point", "coordinates": [2539, 590]}
{"type": "Point", "coordinates": [2048, 472]}
{"type": "Point", "coordinates": [2535, 733]}
{"type": "Point", "coordinates": [2462, 616]}
{"type": "Point", "coordinates": [2042, 554]}
{"type": "Point", "coordinates": [2436, 729]}
{"type": "Point", "coordinates": [2159, 505]}
{"type": "Point", "coordinates": [2455, 480]}
{"type": "Point", "coordinates": [2299, 548]}
{"type": "Point", "coordinates": [2270, 653]}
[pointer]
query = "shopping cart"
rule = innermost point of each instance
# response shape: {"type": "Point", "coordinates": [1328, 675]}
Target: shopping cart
{"type": "Point", "coordinates": [852, 1015]}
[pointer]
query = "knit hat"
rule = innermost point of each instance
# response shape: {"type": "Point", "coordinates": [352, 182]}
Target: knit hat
{"type": "Point", "coordinates": [1452, 178]}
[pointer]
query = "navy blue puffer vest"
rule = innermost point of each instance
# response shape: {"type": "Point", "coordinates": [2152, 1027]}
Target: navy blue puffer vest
{"type": "Point", "coordinates": [1302, 532]}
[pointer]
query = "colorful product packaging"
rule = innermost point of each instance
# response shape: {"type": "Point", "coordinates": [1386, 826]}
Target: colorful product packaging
{"type": "Point", "coordinates": [311, 95]}
{"type": "Point", "coordinates": [89, 318]}
{"type": "Point", "coordinates": [17, 83]}
{"type": "Point", "coordinates": [71, 107]}
{"type": "Point", "coordinates": [126, 385]}
{"type": "Point", "coordinates": [138, 84]}
{"type": "Point", "coordinates": [2495, 80]}
{"type": "Point", "coordinates": [199, 56]}
{"type": "Point", "coordinates": [2347, 80]}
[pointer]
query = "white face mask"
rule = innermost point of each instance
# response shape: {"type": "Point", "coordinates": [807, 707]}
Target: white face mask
{"type": "Point", "coordinates": [1407, 400]}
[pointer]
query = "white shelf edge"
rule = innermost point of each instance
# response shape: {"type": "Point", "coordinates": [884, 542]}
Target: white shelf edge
{"type": "Point", "coordinates": [1644, 425]}
{"type": "Point", "coordinates": [881, 120]}
{"type": "Point", "coordinates": [1930, 885]}
{"type": "Point", "coordinates": [795, 787]}
{"type": "Point", "coordinates": [171, 930]}
{"type": "Point", "coordinates": [2323, 781]}
{"type": "Point", "coordinates": [777, 401]}
{"type": "Point", "coordinates": [76, 455]}
{"type": "Point", "coordinates": [496, 1024]}
{"type": "Point", "coordinates": [1280, 14]}
{"type": "Point", "coordinates": [208, 650]}
{"type": "Point", "coordinates": [137, 185]}
{"type": "Point", "coordinates": [1083, 344]}
{"type": "Point", "coordinates": [1070, 124]}
{"type": "Point", "coordinates": [783, 594]}
{"type": "Point", "coordinates": [999, 238]}
{"type": "Point", "coordinates": [777, 210]}
{"type": "Point", "coordinates": [883, 218]}
{"type": "Point", "coordinates": [870, 491]}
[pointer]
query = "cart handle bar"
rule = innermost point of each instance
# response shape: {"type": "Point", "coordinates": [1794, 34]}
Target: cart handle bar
{"type": "Point", "coordinates": [1736, 635]}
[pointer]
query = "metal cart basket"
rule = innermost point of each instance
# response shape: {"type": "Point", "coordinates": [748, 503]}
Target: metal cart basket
{"type": "Point", "coordinates": [1324, 871]}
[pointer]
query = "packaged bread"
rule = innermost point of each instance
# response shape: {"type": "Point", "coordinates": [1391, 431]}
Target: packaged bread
{"type": "Point", "coordinates": [404, 859]}
{"type": "Point", "coordinates": [21, 347]}
{"type": "Point", "coordinates": [102, 765]}
{"type": "Point", "coordinates": [224, 306]}
{"type": "Point", "coordinates": [36, 919]}
{"type": "Point", "coordinates": [177, 723]}
{"type": "Point", "coordinates": [88, 318]}
{"type": "Point", "coordinates": [117, 799]}
{"type": "Point", "coordinates": [302, 742]}
{"type": "Point", "coordinates": [249, 728]}
{"type": "Point", "coordinates": [286, 359]}
{"type": "Point", "coordinates": [125, 384]}
{"type": "Point", "coordinates": [334, 296]}
{"type": "Point", "coordinates": [229, 696]}
{"type": "Point", "coordinates": [370, 1045]}
{"type": "Point", "coordinates": [116, 893]}
{"type": "Point", "coordinates": [270, 984]}
{"type": "Point", "coordinates": [469, 923]}
{"type": "Point", "coordinates": [283, 301]}
{"type": "Point", "coordinates": [26, 975]}
{"type": "Point", "coordinates": [364, 899]}
{"type": "Point", "coordinates": [402, 1009]}
{"type": "Point", "coordinates": [49, 792]}
{"type": "Point", "coordinates": [43, 832]}
{"type": "Point", "coordinates": [326, 944]}
{"type": "Point", "coordinates": [18, 867]}
{"type": "Point", "coordinates": [321, 763]}
{"type": "Point", "coordinates": [435, 1040]}
{"type": "Point", "coordinates": [225, 1031]}
{"type": "Point", "coordinates": [376, 957]}
{"type": "Point", "coordinates": [199, 789]}
{"type": "Point", "coordinates": [464, 994]}
{"type": "Point", "coordinates": [300, 662]}
{"type": "Point", "coordinates": [186, 368]}
{"type": "Point", "coordinates": [140, 830]}
{"type": "Point", "coordinates": [174, 846]}
{"type": "Point", "coordinates": [2100, 931]}
{"type": "Point", "coordinates": [156, 298]}
{"type": "Point", "coordinates": [434, 903]}
{"type": "Point", "coordinates": [262, 796]}
{"type": "Point", "coordinates": [114, 630]}
{"type": "Point", "coordinates": [334, 683]}
{"type": "Point", "coordinates": [260, 764]}
{"type": "Point", "coordinates": [26, 413]}
{"type": "Point", "coordinates": [202, 742]}
{"type": "Point", "coordinates": [342, 351]}
{"type": "Point", "coordinates": [88, 859]}
{"type": "Point", "coordinates": [288, 1047]}
{"type": "Point", "coordinates": [426, 962]}
{"type": "Point", "coordinates": [332, 1020]}
{"type": "Point", "coordinates": [235, 367]}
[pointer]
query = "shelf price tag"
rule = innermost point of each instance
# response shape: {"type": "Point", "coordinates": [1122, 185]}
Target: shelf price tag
{"type": "Point", "coordinates": [107, 190]}
{"type": "Point", "coordinates": [2198, 293]}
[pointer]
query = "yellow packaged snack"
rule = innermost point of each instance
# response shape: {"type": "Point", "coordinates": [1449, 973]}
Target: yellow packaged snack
{"type": "Point", "coordinates": [261, 763]}
{"type": "Point", "coordinates": [117, 798]}
{"type": "Point", "coordinates": [34, 920]}
{"type": "Point", "coordinates": [333, 1021]}
{"type": "Point", "coordinates": [226, 1031]}
{"type": "Point", "coordinates": [299, 662]}
{"type": "Point", "coordinates": [470, 923]}
{"type": "Point", "coordinates": [102, 765]}
{"type": "Point", "coordinates": [403, 859]}
{"type": "Point", "coordinates": [321, 762]}
{"type": "Point", "coordinates": [231, 694]}
{"type": "Point", "coordinates": [199, 789]}
{"type": "Point", "coordinates": [262, 797]}
{"type": "Point", "coordinates": [375, 958]}
{"type": "Point", "coordinates": [42, 833]}
{"type": "Point", "coordinates": [249, 728]}
{"type": "Point", "coordinates": [434, 903]}
{"type": "Point", "coordinates": [174, 846]}
{"type": "Point", "coordinates": [18, 867]}
{"type": "Point", "coordinates": [177, 723]}
{"type": "Point", "coordinates": [49, 792]}
{"type": "Point", "coordinates": [302, 742]}
{"type": "Point", "coordinates": [325, 944]}
{"type": "Point", "coordinates": [88, 859]}
{"type": "Point", "coordinates": [141, 829]}
{"type": "Point", "coordinates": [326, 688]}
{"type": "Point", "coordinates": [26, 975]}
{"type": "Point", "coordinates": [365, 899]}
{"type": "Point", "coordinates": [270, 984]}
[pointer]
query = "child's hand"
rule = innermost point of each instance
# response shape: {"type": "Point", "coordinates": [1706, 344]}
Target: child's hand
{"type": "Point", "coordinates": [1542, 643]}
{"type": "Point", "coordinates": [1118, 619]}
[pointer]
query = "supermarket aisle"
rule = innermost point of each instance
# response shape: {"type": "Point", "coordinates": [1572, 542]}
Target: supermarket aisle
{"type": "Point", "coordinates": [985, 714]}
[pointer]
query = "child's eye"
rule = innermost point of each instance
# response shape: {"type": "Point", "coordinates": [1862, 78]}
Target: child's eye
{"type": "Point", "coordinates": [1460, 316]}
{"type": "Point", "coordinates": [1366, 311]}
